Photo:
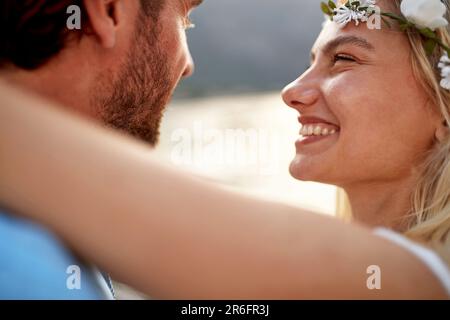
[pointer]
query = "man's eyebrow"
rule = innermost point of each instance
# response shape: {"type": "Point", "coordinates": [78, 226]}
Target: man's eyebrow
{"type": "Point", "coordinates": [196, 3]}
{"type": "Point", "coordinates": [342, 40]}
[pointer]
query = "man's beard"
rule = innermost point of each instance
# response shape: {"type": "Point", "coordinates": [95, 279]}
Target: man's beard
{"type": "Point", "coordinates": [134, 102]}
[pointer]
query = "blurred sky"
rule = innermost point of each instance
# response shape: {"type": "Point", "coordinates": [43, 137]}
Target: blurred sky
{"type": "Point", "coordinates": [250, 45]}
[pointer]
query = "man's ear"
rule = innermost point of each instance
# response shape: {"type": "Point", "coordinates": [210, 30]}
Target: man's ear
{"type": "Point", "coordinates": [104, 17]}
{"type": "Point", "coordinates": [442, 131]}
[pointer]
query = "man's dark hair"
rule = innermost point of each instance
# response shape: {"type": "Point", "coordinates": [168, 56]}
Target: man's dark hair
{"type": "Point", "coordinates": [33, 31]}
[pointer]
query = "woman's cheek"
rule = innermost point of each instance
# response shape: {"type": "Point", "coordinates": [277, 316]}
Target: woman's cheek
{"type": "Point", "coordinates": [342, 96]}
{"type": "Point", "coordinates": [360, 117]}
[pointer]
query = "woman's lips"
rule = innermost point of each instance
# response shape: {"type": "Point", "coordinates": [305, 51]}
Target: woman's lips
{"type": "Point", "coordinates": [307, 120]}
{"type": "Point", "coordinates": [304, 140]}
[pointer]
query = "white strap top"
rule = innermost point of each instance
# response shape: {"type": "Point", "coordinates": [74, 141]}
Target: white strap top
{"type": "Point", "coordinates": [427, 256]}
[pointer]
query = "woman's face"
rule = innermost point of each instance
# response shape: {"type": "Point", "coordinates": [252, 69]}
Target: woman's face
{"type": "Point", "coordinates": [361, 89]}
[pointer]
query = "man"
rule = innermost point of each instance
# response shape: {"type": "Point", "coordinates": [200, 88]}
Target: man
{"type": "Point", "coordinates": [120, 68]}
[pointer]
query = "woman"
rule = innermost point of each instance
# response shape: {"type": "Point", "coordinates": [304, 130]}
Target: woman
{"type": "Point", "coordinates": [375, 122]}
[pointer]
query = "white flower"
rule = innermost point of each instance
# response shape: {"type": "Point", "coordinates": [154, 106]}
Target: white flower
{"type": "Point", "coordinates": [444, 65]}
{"type": "Point", "coordinates": [368, 3]}
{"type": "Point", "coordinates": [425, 13]}
{"type": "Point", "coordinates": [344, 15]}
{"type": "Point", "coordinates": [362, 3]}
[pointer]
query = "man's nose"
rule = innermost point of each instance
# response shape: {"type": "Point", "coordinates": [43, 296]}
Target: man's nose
{"type": "Point", "coordinates": [299, 94]}
{"type": "Point", "coordinates": [190, 66]}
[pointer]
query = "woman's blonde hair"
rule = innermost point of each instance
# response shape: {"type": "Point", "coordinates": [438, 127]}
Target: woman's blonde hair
{"type": "Point", "coordinates": [430, 211]}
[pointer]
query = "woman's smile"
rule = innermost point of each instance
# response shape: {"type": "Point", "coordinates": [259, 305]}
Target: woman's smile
{"type": "Point", "coordinates": [312, 133]}
{"type": "Point", "coordinates": [315, 130]}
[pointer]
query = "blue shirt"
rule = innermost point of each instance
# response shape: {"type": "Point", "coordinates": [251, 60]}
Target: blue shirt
{"type": "Point", "coordinates": [34, 264]}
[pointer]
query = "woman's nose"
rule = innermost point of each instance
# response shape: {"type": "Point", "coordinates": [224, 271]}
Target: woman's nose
{"type": "Point", "coordinates": [298, 94]}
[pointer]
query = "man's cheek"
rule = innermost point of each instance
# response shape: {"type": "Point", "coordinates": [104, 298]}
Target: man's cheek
{"type": "Point", "coordinates": [176, 37]}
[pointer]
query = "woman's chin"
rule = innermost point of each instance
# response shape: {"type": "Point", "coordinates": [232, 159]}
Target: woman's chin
{"type": "Point", "coordinates": [304, 168]}
{"type": "Point", "coordinates": [301, 169]}
{"type": "Point", "coordinates": [312, 160]}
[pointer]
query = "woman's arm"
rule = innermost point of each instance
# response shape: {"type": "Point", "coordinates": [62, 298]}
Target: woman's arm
{"type": "Point", "coordinates": [173, 236]}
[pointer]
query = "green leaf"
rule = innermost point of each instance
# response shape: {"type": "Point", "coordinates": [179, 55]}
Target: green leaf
{"type": "Point", "coordinates": [444, 47]}
{"type": "Point", "coordinates": [326, 9]}
{"type": "Point", "coordinates": [356, 3]}
{"type": "Point", "coordinates": [428, 33]}
{"type": "Point", "coordinates": [386, 22]}
{"type": "Point", "coordinates": [331, 5]}
{"type": "Point", "coordinates": [430, 45]}
{"type": "Point", "coordinates": [447, 49]}
{"type": "Point", "coordinates": [404, 26]}
{"type": "Point", "coordinates": [394, 17]}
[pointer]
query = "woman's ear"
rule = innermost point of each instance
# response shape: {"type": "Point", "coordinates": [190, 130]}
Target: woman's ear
{"type": "Point", "coordinates": [104, 17]}
{"type": "Point", "coordinates": [442, 131]}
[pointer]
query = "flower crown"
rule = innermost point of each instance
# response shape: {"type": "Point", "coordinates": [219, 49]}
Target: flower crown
{"type": "Point", "coordinates": [424, 16]}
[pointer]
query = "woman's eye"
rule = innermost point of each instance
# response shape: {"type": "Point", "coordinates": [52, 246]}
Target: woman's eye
{"type": "Point", "coordinates": [343, 58]}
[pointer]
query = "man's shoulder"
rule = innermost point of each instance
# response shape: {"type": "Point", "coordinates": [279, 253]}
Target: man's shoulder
{"type": "Point", "coordinates": [34, 264]}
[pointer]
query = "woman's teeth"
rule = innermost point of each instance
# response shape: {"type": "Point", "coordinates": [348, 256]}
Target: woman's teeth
{"type": "Point", "coordinates": [316, 130]}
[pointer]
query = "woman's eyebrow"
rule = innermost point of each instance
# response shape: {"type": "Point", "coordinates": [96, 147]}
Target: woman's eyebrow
{"type": "Point", "coordinates": [342, 40]}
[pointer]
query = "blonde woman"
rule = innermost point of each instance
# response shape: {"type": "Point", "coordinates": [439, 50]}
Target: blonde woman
{"type": "Point", "coordinates": [374, 108]}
